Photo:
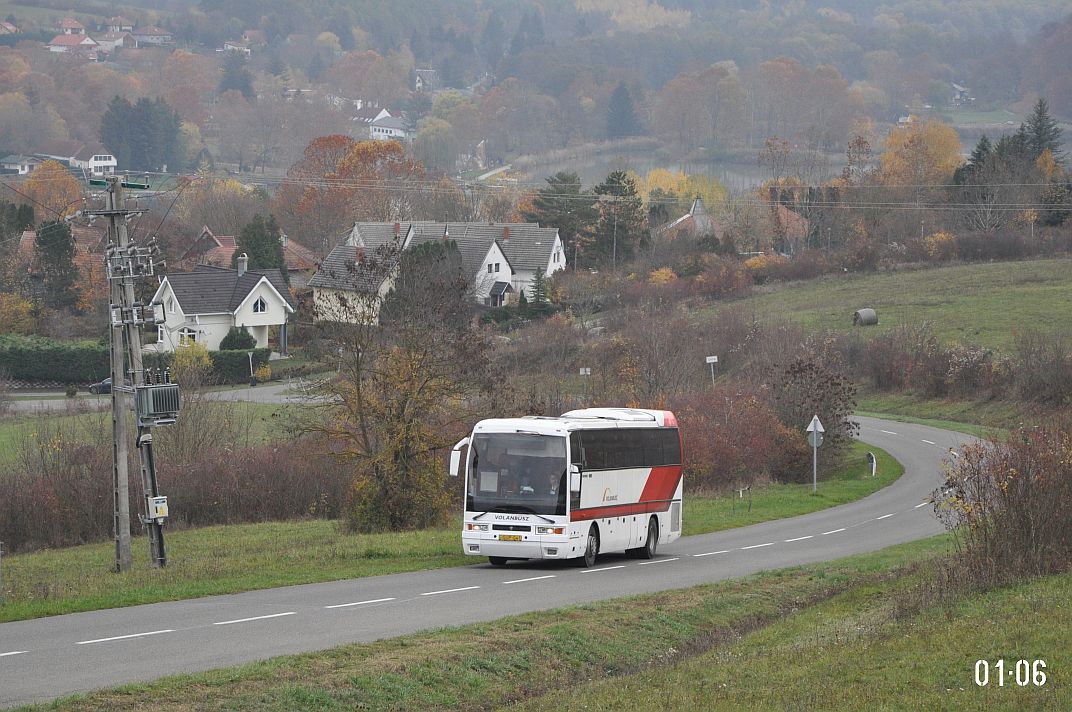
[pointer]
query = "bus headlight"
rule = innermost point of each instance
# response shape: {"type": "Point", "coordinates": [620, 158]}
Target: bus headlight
{"type": "Point", "coordinates": [472, 527]}
{"type": "Point", "coordinates": [550, 530]}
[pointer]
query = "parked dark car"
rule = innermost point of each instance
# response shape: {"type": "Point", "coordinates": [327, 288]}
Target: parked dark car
{"type": "Point", "coordinates": [100, 387]}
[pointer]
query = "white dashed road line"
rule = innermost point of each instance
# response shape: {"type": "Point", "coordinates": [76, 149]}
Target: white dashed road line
{"type": "Point", "coordinates": [756, 546]}
{"type": "Point", "coordinates": [449, 590]}
{"type": "Point", "coordinates": [360, 603]}
{"type": "Point", "coordinates": [605, 568]}
{"type": "Point", "coordinates": [884, 516]}
{"type": "Point", "coordinates": [929, 442]}
{"type": "Point", "coordinates": [660, 561]}
{"type": "Point", "coordinates": [13, 652]}
{"type": "Point", "coordinates": [712, 553]}
{"type": "Point", "coordinates": [799, 538]}
{"type": "Point", "coordinates": [888, 432]}
{"type": "Point", "coordinates": [921, 504]}
{"type": "Point", "coordinates": [256, 618]}
{"type": "Point", "coordinates": [124, 637]}
{"type": "Point", "coordinates": [534, 578]}
{"type": "Point", "coordinates": [833, 531]}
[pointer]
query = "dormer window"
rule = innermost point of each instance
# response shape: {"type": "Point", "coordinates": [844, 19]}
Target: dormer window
{"type": "Point", "coordinates": [260, 306]}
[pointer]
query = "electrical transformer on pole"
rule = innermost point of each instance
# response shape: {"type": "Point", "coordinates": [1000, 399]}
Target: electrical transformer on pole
{"type": "Point", "coordinates": [155, 403]}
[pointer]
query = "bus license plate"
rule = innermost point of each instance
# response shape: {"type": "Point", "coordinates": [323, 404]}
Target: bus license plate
{"type": "Point", "coordinates": [509, 537]}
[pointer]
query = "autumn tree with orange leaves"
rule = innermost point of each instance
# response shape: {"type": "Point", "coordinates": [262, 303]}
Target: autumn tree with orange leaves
{"type": "Point", "coordinates": [339, 181]}
{"type": "Point", "coordinates": [54, 190]}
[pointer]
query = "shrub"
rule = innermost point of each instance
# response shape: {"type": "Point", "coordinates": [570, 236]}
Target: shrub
{"type": "Point", "coordinates": [941, 247]}
{"type": "Point", "coordinates": [1006, 502]}
{"type": "Point", "coordinates": [722, 277]}
{"type": "Point", "coordinates": [733, 438]}
{"type": "Point", "coordinates": [59, 491]}
{"type": "Point", "coordinates": [263, 373]}
{"type": "Point", "coordinates": [1043, 367]}
{"type": "Point", "coordinates": [233, 366]}
{"type": "Point", "coordinates": [238, 339]}
{"type": "Point", "coordinates": [764, 267]}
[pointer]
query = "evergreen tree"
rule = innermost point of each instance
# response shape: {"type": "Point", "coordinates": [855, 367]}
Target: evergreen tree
{"type": "Point", "coordinates": [622, 120]}
{"type": "Point", "coordinates": [260, 241]}
{"type": "Point", "coordinates": [1043, 133]}
{"type": "Point", "coordinates": [541, 298]}
{"type": "Point", "coordinates": [621, 218]}
{"type": "Point", "coordinates": [491, 39]}
{"type": "Point", "coordinates": [237, 77]}
{"type": "Point", "coordinates": [238, 339]}
{"type": "Point", "coordinates": [563, 204]}
{"type": "Point", "coordinates": [982, 153]}
{"type": "Point", "coordinates": [54, 259]}
{"type": "Point", "coordinates": [144, 136]}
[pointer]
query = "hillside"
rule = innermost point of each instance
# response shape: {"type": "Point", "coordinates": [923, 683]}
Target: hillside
{"type": "Point", "coordinates": [974, 303]}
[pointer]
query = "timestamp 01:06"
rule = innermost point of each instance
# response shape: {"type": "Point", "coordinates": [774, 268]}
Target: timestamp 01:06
{"type": "Point", "coordinates": [1022, 672]}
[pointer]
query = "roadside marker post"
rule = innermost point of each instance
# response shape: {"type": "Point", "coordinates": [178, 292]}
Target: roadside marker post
{"type": "Point", "coordinates": [815, 439]}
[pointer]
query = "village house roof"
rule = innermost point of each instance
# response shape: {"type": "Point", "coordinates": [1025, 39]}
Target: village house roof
{"type": "Point", "coordinates": [69, 23]}
{"type": "Point", "coordinates": [218, 290]}
{"type": "Point", "coordinates": [72, 41]}
{"type": "Point", "coordinates": [342, 269]}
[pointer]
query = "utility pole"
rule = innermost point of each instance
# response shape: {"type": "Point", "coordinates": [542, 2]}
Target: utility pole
{"type": "Point", "coordinates": [126, 263]}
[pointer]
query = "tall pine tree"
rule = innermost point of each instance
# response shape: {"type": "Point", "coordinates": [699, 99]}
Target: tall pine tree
{"type": "Point", "coordinates": [260, 241]}
{"type": "Point", "coordinates": [622, 120]}
{"type": "Point", "coordinates": [564, 205]}
{"type": "Point", "coordinates": [1043, 133]}
{"type": "Point", "coordinates": [54, 261]}
{"type": "Point", "coordinates": [621, 218]}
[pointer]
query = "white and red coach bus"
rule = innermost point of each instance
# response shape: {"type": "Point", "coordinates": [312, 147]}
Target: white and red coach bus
{"type": "Point", "coordinates": [592, 481]}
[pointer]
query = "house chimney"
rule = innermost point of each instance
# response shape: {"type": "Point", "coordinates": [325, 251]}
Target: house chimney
{"type": "Point", "coordinates": [398, 229]}
{"type": "Point", "coordinates": [360, 256]}
{"type": "Point", "coordinates": [243, 263]}
{"type": "Point", "coordinates": [506, 233]}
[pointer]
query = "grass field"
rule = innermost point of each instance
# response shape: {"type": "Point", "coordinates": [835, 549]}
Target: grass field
{"type": "Point", "coordinates": [826, 636]}
{"type": "Point", "coordinates": [968, 117]}
{"type": "Point", "coordinates": [976, 303]}
{"type": "Point", "coordinates": [14, 429]}
{"type": "Point", "coordinates": [227, 559]}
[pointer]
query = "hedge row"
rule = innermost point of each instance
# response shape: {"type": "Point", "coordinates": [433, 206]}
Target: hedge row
{"type": "Point", "coordinates": [34, 358]}
{"type": "Point", "coordinates": [38, 359]}
{"type": "Point", "coordinates": [227, 366]}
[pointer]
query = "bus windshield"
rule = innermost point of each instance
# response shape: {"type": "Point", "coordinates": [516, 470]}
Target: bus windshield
{"type": "Point", "coordinates": [522, 473]}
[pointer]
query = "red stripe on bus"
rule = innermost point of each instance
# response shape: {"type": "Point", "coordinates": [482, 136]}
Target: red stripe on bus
{"type": "Point", "coordinates": [618, 510]}
{"type": "Point", "coordinates": [662, 483]}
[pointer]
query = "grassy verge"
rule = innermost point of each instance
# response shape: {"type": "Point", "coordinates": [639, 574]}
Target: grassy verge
{"type": "Point", "coordinates": [850, 482]}
{"type": "Point", "coordinates": [978, 418]}
{"type": "Point", "coordinates": [228, 559]}
{"type": "Point", "coordinates": [825, 636]}
{"type": "Point", "coordinates": [855, 651]}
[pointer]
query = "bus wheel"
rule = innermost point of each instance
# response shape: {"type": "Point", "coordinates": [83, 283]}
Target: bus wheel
{"type": "Point", "coordinates": [497, 560]}
{"type": "Point", "coordinates": [591, 549]}
{"type": "Point", "coordinates": [652, 542]}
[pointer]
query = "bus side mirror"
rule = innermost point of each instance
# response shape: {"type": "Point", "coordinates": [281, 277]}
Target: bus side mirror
{"type": "Point", "coordinates": [574, 479]}
{"type": "Point", "coordinates": [456, 457]}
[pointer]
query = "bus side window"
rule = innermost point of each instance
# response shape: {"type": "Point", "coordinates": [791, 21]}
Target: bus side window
{"type": "Point", "coordinates": [576, 450]}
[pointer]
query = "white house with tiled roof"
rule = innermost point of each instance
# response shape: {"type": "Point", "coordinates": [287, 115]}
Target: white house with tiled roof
{"type": "Point", "coordinates": [151, 36]}
{"type": "Point", "coordinates": [72, 43]}
{"type": "Point", "coordinates": [71, 26]}
{"type": "Point", "coordinates": [203, 305]}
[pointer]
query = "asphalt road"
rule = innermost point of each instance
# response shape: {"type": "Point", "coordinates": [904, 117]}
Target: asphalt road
{"type": "Point", "coordinates": [45, 658]}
